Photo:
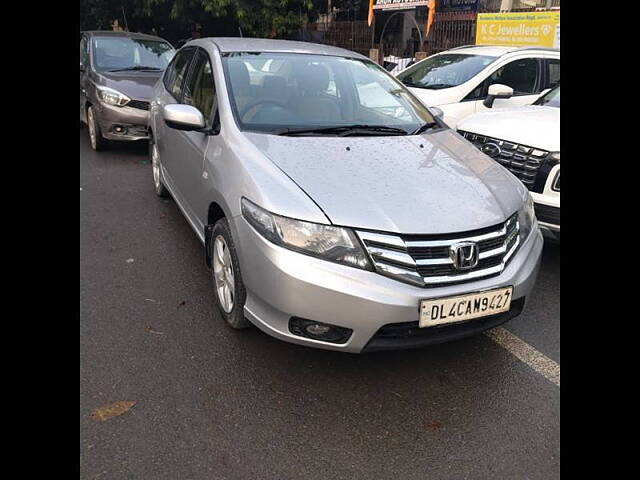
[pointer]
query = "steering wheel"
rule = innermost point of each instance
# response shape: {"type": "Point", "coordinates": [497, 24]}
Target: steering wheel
{"type": "Point", "coordinates": [261, 101]}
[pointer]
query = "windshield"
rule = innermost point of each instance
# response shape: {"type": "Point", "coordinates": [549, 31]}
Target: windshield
{"type": "Point", "coordinates": [444, 71]}
{"type": "Point", "coordinates": [550, 99]}
{"type": "Point", "coordinates": [270, 92]}
{"type": "Point", "coordinates": [122, 53]}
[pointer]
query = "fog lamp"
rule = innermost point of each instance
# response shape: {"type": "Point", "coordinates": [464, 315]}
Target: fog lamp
{"type": "Point", "coordinates": [319, 331]}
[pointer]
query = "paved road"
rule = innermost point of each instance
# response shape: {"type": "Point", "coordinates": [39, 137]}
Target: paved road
{"type": "Point", "coordinates": [213, 403]}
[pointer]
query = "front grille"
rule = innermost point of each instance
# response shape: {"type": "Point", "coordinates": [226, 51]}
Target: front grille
{"type": "Point", "coordinates": [427, 260]}
{"type": "Point", "coordinates": [547, 214]}
{"type": "Point", "coordinates": [521, 160]}
{"type": "Point", "coordinates": [139, 104]}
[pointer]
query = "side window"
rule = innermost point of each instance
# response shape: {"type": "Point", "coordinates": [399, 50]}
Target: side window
{"type": "Point", "coordinates": [521, 75]}
{"type": "Point", "coordinates": [199, 90]}
{"type": "Point", "coordinates": [177, 71]}
{"type": "Point", "coordinates": [553, 72]}
{"type": "Point", "coordinates": [84, 54]}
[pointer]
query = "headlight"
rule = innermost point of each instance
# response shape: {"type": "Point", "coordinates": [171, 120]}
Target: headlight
{"type": "Point", "coordinates": [526, 218]}
{"type": "Point", "coordinates": [324, 241]}
{"type": "Point", "coordinates": [555, 156]}
{"type": "Point", "coordinates": [112, 97]}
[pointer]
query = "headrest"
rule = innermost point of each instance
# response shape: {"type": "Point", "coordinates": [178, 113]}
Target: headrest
{"type": "Point", "coordinates": [274, 85]}
{"type": "Point", "coordinates": [313, 79]}
{"type": "Point", "coordinates": [239, 75]}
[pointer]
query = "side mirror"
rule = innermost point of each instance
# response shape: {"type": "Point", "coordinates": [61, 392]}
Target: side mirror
{"type": "Point", "coordinates": [437, 112]}
{"type": "Point", "coordinates": [183, 117]}
{"type": "Point", "coordinates": [497, 90]}
{"type": "Point", "coordinates": [81, 67]}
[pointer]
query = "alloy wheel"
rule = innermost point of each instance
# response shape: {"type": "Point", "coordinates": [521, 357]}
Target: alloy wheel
{"type": "Point", "coordinates": [223, 274]}
{"type": "Point", "coordinates": [92, 127]}
{"type": "Point", "coordinates": [155, 165]}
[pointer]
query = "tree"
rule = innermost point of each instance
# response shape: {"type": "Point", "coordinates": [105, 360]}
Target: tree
{"type": "Point", "coordinates": [259, 18]}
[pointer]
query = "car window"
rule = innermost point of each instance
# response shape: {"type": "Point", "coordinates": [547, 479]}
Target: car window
{"type": "Point", "coordinates": [550, 99]}
{"type": "Point", "coordinates": [199, 90]}
{"type": "Point", "coordinates": [521, 75]}
{"type": "Point", "coordinates": [84, 54]}
{"type": "Point", "coordinates": [553, 72]}
{"type": "Point", "coordinates": [443, 71]}
{"type": "Point", "coordinates": [177, 72]}
{"type": "Point", "coordinates": [314, 91]}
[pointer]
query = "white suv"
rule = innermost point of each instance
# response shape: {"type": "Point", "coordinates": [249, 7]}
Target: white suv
{"type": "Point", "coordinates": [525, 140]}
{"type": "Point", "coordinates": [457, 81]}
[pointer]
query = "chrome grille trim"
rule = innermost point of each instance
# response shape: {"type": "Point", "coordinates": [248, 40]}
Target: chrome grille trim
{"type": "Point", "coordinates": [382, 239]}
{"type": "Point", "coordinates": [394, 256]}
{"type": "Point", "coordinates": [446, 243]}
{"type": "Point", "coordinates": [434, 261]}
{"type": "Point", "coordinates": [465, 276]}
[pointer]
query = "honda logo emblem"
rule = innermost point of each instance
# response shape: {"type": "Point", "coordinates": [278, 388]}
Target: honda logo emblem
{"type": "Point", "coordinates": [464, 255]}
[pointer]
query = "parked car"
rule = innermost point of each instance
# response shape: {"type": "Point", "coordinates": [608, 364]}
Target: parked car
{"type": "Point", "coordinates": [329, 223]}
{"type": "Point", "coordinates": [458, 80]}
{"type": "Point", "coordinates": [526, 140]}
{"type": "Point", "coordinates": [117, 74]}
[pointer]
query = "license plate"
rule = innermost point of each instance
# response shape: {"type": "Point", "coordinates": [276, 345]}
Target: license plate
{"type": "Point", "coordinates": [464, 307]}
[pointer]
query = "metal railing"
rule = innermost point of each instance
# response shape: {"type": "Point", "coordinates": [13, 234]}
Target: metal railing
{"type": "Point", "coordinates": [352, 35]}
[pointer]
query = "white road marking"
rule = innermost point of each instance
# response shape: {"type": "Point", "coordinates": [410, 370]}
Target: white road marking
{"type": "Point", "coordinates": [526, 353]}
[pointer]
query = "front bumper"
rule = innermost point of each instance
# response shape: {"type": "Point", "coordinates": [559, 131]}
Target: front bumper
{"type": "Point", "coordinates": [547, 208]}
{"type": "Point", "coordinates": [133, 121]}
{"type": "Point", "coordinates": [281, 284]}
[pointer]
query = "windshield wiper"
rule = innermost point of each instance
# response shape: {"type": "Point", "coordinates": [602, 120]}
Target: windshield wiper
{"type": "Point", "coordinates": [343, 131]}
{"type": "Point", "coordinates": [437, 86]}
{"type": "Point", "coordinates": [429, 86]}
{"type": "Point", "coordinates": [137, 67]}
{"type": "Point", "coordinates": [424, 128]}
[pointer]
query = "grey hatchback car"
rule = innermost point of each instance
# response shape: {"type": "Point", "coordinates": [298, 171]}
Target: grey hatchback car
{"type": "Point", "coordinates": [117, 73]}
{"type": "Point", "coordinates": [335, 210]}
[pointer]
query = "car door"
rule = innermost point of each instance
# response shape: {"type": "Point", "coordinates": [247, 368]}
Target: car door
{"type": "Point", "coordinates": [170, 154]}
{"type": "Point", "coordinates": [190, 146]}
{"type": "Point", "coordinates": [84, 75]}
{"type": "Point", "coordinates": [523, 75]}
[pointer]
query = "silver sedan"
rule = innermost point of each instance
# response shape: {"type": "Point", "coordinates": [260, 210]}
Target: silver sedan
{"type": "Point", "coordinates": [335, 210]}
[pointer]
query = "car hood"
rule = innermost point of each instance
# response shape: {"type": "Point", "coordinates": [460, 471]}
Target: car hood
{"type": "Point", "coordinates": [432, 183]}
{"type": "Point", "coordinates": [135, 85]}
{"type": "Point", "coordinates": [533, 126]}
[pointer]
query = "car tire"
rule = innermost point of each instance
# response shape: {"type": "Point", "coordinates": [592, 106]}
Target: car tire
{"type": "Point", "coordinates": [96, 140]}
{"type": "Point", "coordinates": [223, 255]}
{"type": "Point", "coordinates": [158, 186]}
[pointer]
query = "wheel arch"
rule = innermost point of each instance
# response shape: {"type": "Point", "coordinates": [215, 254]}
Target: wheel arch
{"type": "Point", "coordinates": [215, 213]}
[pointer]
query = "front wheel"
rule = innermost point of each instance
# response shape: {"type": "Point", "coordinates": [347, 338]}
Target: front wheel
{"type": "Point", "coordinates": [227, 280]}
{"type": "Point", "coordinates": [98, 142]}
{"type": "Point", "coordinates": [159, 187]}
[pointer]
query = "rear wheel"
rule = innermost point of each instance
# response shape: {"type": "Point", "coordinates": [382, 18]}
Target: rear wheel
{"type": "Point", "coordinates": [227, 280]}
{"type": "Point", "coordinates": [98, 142]}
{"type": "Point", "coordinates": [159, 187]}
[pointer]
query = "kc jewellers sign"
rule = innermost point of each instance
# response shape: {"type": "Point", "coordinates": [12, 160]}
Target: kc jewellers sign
{"type": "Point", "coordinates": [531, 29]}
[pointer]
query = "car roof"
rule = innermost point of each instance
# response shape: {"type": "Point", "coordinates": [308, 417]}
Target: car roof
{"type": "Point", "coordinates": [135, 35]}
{"type": "Point", "coordinates": [243, 44]}
{"type": "Point", "coordinates": [496, 50]}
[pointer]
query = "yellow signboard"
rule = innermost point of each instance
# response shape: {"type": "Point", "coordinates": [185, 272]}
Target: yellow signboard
{"type": "Point", "coordinates": [530, 29]}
